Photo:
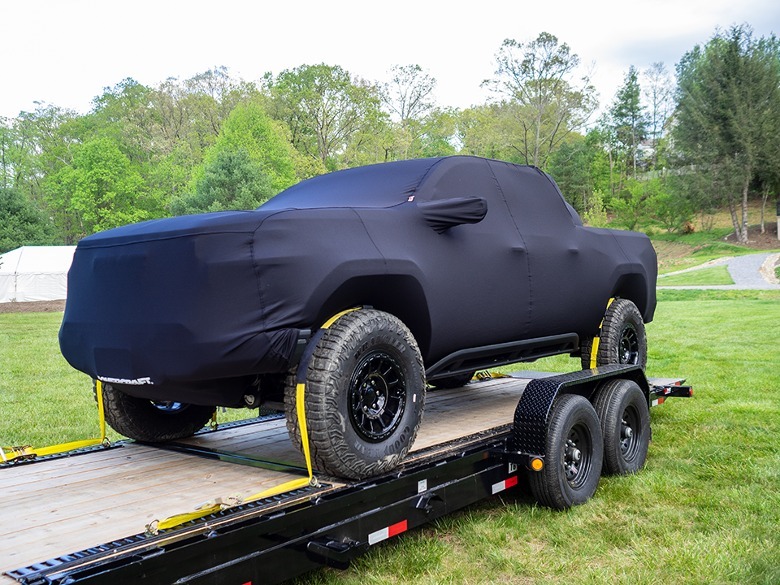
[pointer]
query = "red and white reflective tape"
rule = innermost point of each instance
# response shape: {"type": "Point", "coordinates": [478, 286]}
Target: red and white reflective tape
{"type": "Point", "coordinates": [385, 533]}
{"type": "Point", "coordinates": [504, 485]}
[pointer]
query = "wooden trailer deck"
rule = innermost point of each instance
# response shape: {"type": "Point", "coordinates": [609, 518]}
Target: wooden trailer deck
{"type": "Point", "coordinates": [59, 506]}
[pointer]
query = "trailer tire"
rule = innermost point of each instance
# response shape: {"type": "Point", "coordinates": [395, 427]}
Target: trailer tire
{"type": "Point", "coordinates": [574, 455]}
{"type": "Point", "coordinates": [455, 381]}
{"type": "Point", "coordinates": [622, 340]}
{"type": "Point", "coordinates": [364, 395]}
{"type": "Point", "coordinates": [152, 422]}
{"type": "Point", "coordinates": [625, 424]}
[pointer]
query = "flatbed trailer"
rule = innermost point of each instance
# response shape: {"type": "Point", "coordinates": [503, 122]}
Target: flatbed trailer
{"type": "Point", "coordinates": [91, 516]}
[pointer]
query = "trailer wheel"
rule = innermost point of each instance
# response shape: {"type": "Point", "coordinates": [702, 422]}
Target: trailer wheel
{"type": "Point", "coordinates": [150, 421]}
{"type": "Point", "coordinates": [364, 397]}
{"type": "Point", "coordinates": [455, 381]}
{"type": "Point", "coordinates": [575, 450]}
{"type": "Point", "coordinates": [625, 423]}
{"type": "Point", "coordinates": [623, 339]}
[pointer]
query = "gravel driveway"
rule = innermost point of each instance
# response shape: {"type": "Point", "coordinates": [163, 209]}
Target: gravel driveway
{"type": "Point", "coordinates": [752, 271]}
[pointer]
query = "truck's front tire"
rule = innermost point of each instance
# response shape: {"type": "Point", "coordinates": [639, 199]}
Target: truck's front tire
{"type": "Point", "coordinates": [152, 422]}
{"type": "Point", "coordinates": [364, 395]}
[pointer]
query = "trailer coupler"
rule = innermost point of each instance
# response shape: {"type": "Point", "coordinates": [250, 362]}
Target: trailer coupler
{"type": "Point", "coordinates": [658, 394]}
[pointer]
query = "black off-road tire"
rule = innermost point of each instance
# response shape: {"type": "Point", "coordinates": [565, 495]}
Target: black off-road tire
{"type": "Point", "coordinates": [455, 381]}
{"type": "Point", "coordinates": [574, 455]}
{"type": "Point", "coordinates": [364, 395]}
{"type": "Point", "coordinates": [625, 424]}
{"type": "Point", "coordinates": [623, 339]}
{"type": "Point", "coordinates": [152, 422]}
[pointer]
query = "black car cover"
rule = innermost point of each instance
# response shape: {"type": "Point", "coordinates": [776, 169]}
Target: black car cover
{"type": "Point", "coordinates": [466, 251]}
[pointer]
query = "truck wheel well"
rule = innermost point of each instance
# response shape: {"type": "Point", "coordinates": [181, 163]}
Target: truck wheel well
{"type": "Point", "coordinates": [399, 295]}
{"type": "Point", "coordinates": [633, 288]}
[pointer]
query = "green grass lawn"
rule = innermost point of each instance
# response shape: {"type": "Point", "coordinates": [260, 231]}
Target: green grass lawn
{"type": "Point", "coordinates": [702, 277]}
{"type": "Point", "coordinates": [706, 509]}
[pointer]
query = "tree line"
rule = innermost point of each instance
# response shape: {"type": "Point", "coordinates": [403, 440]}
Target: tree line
{"type": "Point", "coordinates": [669, 148]}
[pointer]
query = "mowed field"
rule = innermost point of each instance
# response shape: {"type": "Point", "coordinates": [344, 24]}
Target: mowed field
{"type": "Point", "coordinates": [706, 509]}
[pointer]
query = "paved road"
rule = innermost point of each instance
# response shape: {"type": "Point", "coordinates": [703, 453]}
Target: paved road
{"type": "Point", "coordinates": [753, 271]}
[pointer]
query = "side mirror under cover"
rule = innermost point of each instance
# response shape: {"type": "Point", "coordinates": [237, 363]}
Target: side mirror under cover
{"type": "Point", "coordinates": [442, 214]}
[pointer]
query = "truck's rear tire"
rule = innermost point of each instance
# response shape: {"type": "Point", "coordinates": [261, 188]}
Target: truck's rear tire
{"type": "Point", "coordinates": [622, 340]}
{"type": "Point", "coordinates": [152, 422]}
{"type": "Point", "coordinates": [364, 395]}
{"type": "Point", "coordinates": [574, 454]}
{"type": "Point", "coordinates": [625, 423]}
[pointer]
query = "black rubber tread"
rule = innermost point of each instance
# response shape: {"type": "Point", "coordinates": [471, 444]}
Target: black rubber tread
{"type": "Point", "coordinates": [550, 486]}
{"type": "Point", "coordinates": [612, 400]}
{"type": "Point", "coordinates": [620, 314]}
{"type": "Point", "coordinates": [455, 381]}
{"type": "Point", "coordinates": [290, 412]}
{"type": "Point", "coordinates": [585, 346]}
{"type": "Point", "coordinates": [336, 447]}
{"type": "Point", "coordinates": [140, 419]}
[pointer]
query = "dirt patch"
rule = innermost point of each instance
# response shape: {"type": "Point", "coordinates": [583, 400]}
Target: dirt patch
{"type": "Point", "coordinates": [33, 307]}
{"type": "Point", "coordinates": [766, 241]}
{"type": "Point", "coordinates": [671, 253]}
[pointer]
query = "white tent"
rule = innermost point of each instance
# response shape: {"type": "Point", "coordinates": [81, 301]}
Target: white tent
{"type": "Point", "coordinates": [35, 273]}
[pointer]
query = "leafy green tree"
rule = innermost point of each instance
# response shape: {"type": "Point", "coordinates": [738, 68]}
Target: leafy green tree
{"type": "Point", "coordinates": [488, 130]}
{"type": "Point", "coordinates": [595, 212]}
{"type": "Point", "coordinates": [101, 189]}
{"type": "Point", "coordinates": [409, 95]}
{"type": "Point", "coordinates": [580, 167]}
{"type": "Point", "coordinates": [539, 80]}
{"type": "Point", "coordinates": [672, 209]}
{"type": "Point", "coordinates": [21, 222]}
{"type": "Point", "coordinates": [166, 130]}
{"type": "Point", "coordinates": [629, 122]}
{"type": "Point", "coordinates": [728, 97]}
{"type": "Point", "coordinates": [632, 207]}
{"type": "Point", "coordinates": [250, 129]}
{"type": "Point", "coordinates": [212, 96]}
{"type": "Point", "coordinates": [6, 146]}
{"type": "Point", "coordinates": [232, 180]}
{"type": "Point", "coordinates": [419, 128]}
{"type": "Point", "coordinates": [124, 115]}
{"type": "Point", "coordinates": [658, 91]}
{"type": "Point", "coordinates": [438, 132]}
{"type": "Point", "coordinates": [42, 144]}
{"type": "Point", "coordinates": [325, 110]}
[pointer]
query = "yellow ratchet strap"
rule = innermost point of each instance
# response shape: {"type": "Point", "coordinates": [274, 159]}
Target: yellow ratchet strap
{"type": "Point", "coordinates": [594, 348]}
{"type": "Point", "coordinates": [488, 375]}
{"type": "Point", "coordinates": [218, 504]}
{"type": "Point", "coordinates": [28, 452]}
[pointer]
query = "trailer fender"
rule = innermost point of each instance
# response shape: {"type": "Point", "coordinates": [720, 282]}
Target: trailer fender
{"type": "Point", "coordinates": [529, 431]}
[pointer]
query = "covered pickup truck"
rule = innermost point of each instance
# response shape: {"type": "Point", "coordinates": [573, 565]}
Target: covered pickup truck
{"type": "Point", "coordinates": [378, 281]}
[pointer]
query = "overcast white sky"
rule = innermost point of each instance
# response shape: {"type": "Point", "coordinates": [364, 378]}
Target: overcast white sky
{"type": "Point", "coordinates": [64, 52]}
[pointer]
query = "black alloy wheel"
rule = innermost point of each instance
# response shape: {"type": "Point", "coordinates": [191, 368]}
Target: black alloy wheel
{"type": "Point", "coordinates": [377, 396]}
